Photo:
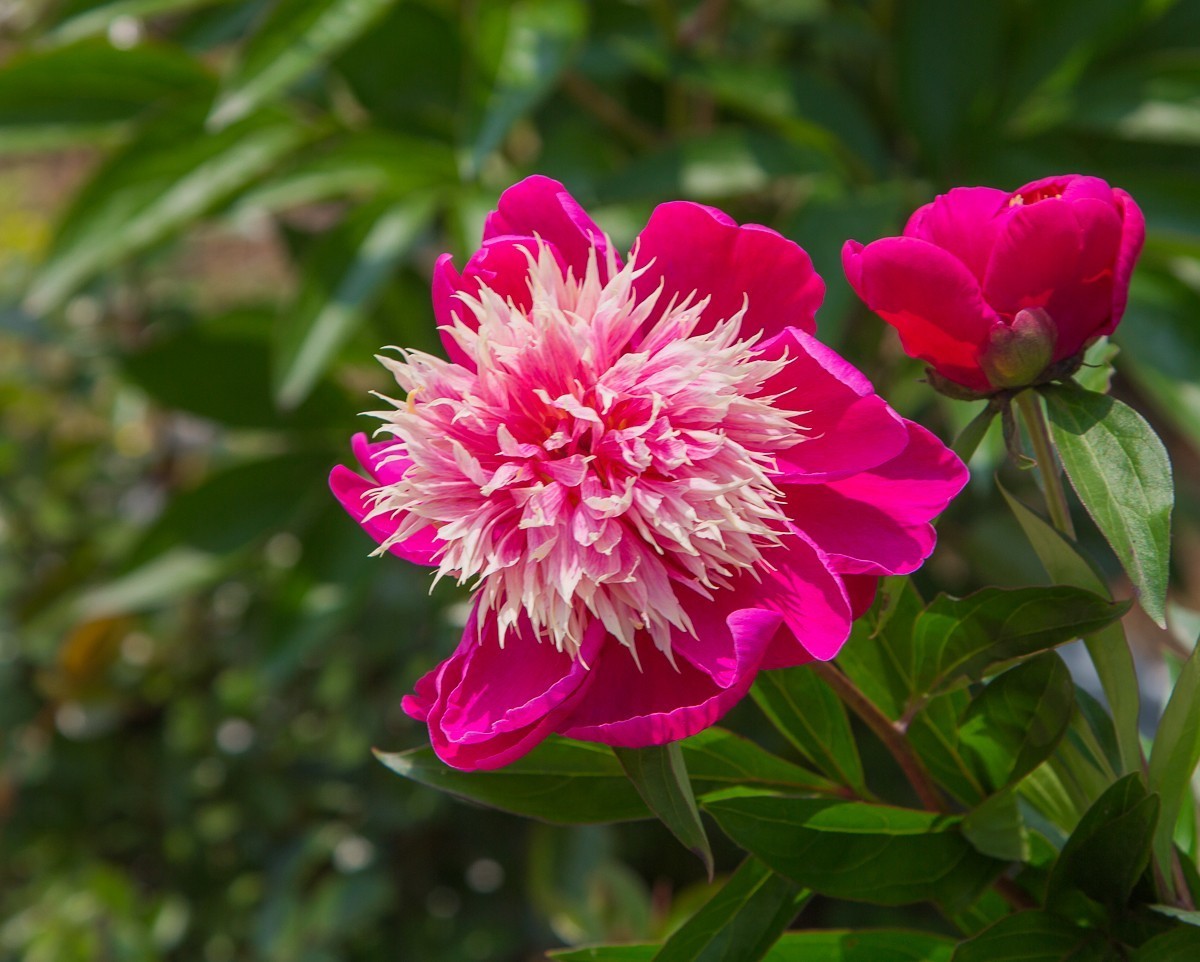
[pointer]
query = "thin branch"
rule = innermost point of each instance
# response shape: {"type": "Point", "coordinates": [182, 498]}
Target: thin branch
{"type": "Point", "coordinates": [893, 739]}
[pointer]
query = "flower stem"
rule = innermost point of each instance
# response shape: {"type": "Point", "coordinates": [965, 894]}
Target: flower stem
{"type": "Point", "coordinates": [1034, 417]}
{"type": "Point", "coordinates": [893, 739]}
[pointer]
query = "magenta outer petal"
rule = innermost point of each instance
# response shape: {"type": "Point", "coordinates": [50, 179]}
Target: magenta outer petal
{"type": "Point", "coordinates": [352, 489]}
{"type": "Point", "coordinates": [659, 703]}
{"type": "Point", "coordinates": [861, 591]}
{"type": "Point", "coordinates": [848, 427]}
{"type": "Point", "coordinates": [541, 207]}
{"type": "Point", "coordinates": [486, 706]}
{"type": "Point", "coordinates": [692, 248]}
{"type": "Point", "coordinates": [930, 297]}
{"type": "Point", "coordinates": [877, 522]}
{"type": "Point", "coordinates": [1036, 256]}
{"type": "Point", "coordinates": [502, 264]}
{"type": "Point", "coordinates": [963, 222]}
{"type": "Point", "coordinates": [811, 598]}
{"type": "Point", "coordinates": [1133, 235]}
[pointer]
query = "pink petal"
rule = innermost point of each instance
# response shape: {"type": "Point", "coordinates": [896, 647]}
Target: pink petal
{"type": "Point", "coordinates": [541, 207]}
{"type": "Point", "coordinates": [1036, 255]}
{"type": "Point", "coordinates": [501, 264]}
{"type": "Point", "coordinates": [698, 249]}
{"type": "Point", "coordinates": [877, 522]}
{"type": "Point", "coordinates": [811, 598]}
{"type": "Point", "coordinates": [962, 222]}
{"type": "Point", "coordinates": [1133, 235]}
{"type": "Point", "coordinates": [848, 426]}
{"type": "Point", "coordinates": [352, 489]}
{"type": "Point", "coordinates": [861, 590]}
{"type": "Point", "coordinates": [493, 704]}
{"type": "Point", "coordinates": [658, 703]}
{"type": "Point", "coordinates": [931, 299]}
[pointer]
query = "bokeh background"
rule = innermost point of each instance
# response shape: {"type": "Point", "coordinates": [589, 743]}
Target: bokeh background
{"type": "Point", "coordinates": [214, 212]}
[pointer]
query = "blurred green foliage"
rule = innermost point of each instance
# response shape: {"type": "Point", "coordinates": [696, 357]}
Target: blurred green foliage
{"type": "Point", "coordinates": [213, 212]}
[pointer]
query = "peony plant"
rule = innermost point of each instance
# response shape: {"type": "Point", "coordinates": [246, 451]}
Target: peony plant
{"type": "Point", "coordinates": [665, 493]}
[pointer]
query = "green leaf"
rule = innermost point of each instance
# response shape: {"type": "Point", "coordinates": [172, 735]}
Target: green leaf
{"type": "Point", "coordinates": [70, 94]}
{"type": "Point", "coordinates": [718, 759]}
{"type": "Point", "coordinates": [879, 655]}
{"type": "Point", "coordinates": [1110, 848]}
{"type": "Point", "coordinates": [831, 945]}
{"type": "Point", "coordinates": [342, 275]}
{"type": "Point", "coordinates": [812, 718]}
{"type": "Point", "coordinates": [523, 46]}
{"type": "Point", "coordinates": [1178, 945]}
{"type": "Point", "coordinates": [957, 638]}
{"type": "Point", "coordinates": [640, 952]}
{"type": "Point", "coordinates": [710, 166]}
{"type": "Point", "coordinates": [160, 581]}
{"type": "Point", "coordinates": [933, 732]}
{"type": "Point", "coordinates": [996, 828]}
{"type": "Point", "coordinates": [856, 850]}
{"type": "Point", "coordinates": [842, 945]}
{"type": "Point", "coordinates": [1014, 724]}
{"type": "Point", "coordinates": [1175, 753]}
{"type": "Point", "coordinates": [367, 163]}
{"type": "Point", "coordinates": [1107, 647]}
{"type": "Point", "coordinates": [1121, 472]}
{"type": "Point", "coordinates": [233, 507]}
{"type": "Point", "coordinates": [221, 370]}
{"type": "Point", "coordinates": [99, 17]}
{"type": "Point", "coordinates": [660, 777]}
{"type": "Point", "coordinates": [741, 922]}
{"type": "Point", "coordinates": [164, 180]}
{"type": "Point", "coordinates": [943, 88]}
{"type": "Point", "coordinates": [1034, 936]}
{"type": "Point", "coordinates": [569, 782]}
{"type": "Point", "coordinates": [296, 37]}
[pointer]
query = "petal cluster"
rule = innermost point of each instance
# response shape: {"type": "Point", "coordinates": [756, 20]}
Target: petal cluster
{"type": "Point", "coordinates": [986, 285]}
{"type": "Point", "coordinates": [656, 481]}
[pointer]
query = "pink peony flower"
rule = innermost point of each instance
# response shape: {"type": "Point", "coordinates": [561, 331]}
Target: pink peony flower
{"type": "Point", "coordinates": [654, 477]}
{"type": "Point", "coordinates": [992, 288]}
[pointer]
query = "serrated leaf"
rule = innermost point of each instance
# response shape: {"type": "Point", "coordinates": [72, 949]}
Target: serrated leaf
{"type": "Point", "coordinates": [523, 47]}
{"type": "Point", "coordinates": [660, 776]}
{"type": "Point", "coordinates": [1107, 647]}
{"type": "Point", "coordinates": [1175, 753]}
{"type": "Point", "coordinates": [570, 782]}
{"type": "Point", "coordinates": [295, 37]}
{"type": "Point", "coordinates": [996, 828]}
{"type": "Point", "coordinates": [1110, 847]}
{"type": "Point", "coordinates": [1014, 724]}
{"type": "Point", "coordinates": [168, 177]}
{"type": "Point", "coordinates": [856, 850]}
{"type": "Point", "coordinates": [740, 922]}
{"type": "Point", "coordinates": [959, 638]}
{"type": "Point", "coordinates": [1122, 474]}
{"type": "Point", "coordinates": [812, 718]}
{"type": "Point", "coordinates": [1034, 936]}
{"type": "Point", "coordinates": [342, 275]}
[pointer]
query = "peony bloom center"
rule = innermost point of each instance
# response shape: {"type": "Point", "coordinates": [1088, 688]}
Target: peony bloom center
{"type": "Point", "coordinates": [600, 454]}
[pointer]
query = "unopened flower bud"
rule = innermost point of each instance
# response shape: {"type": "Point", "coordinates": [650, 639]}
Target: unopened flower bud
{"type": "Point", "coordinates": [1017, 354]}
